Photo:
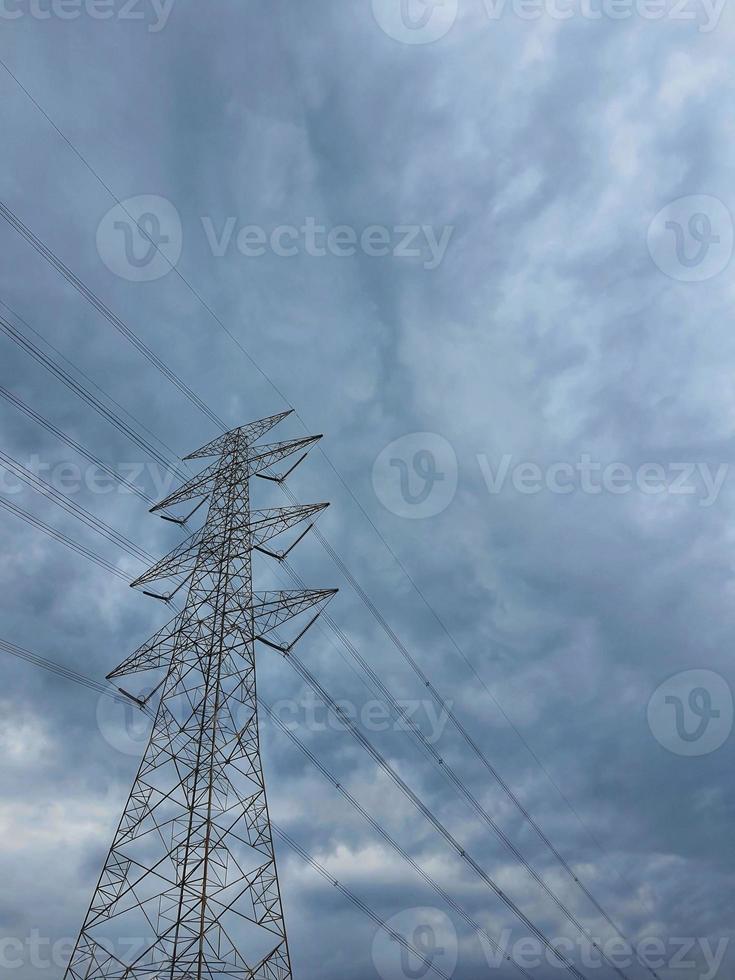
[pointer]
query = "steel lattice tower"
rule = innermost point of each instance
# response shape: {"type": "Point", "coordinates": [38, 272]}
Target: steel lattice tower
{"type": "Point", "coordinates": [190, 888]}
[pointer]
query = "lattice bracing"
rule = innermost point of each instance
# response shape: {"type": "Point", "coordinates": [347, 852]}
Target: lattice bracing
{"type": "Point", "coordinates": [190, 886]}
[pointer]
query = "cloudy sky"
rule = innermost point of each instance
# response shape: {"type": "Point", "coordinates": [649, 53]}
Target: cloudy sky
{"type": "Point", "coordinates": [485, 249]}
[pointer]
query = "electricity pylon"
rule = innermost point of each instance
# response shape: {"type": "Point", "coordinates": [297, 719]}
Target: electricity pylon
{"type": "Point", "coordinates": [190, 888]}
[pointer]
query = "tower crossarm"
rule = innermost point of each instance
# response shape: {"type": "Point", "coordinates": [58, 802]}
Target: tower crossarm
{"type": "Point", "coordinates": [248, 433]}
{"type": "Point", "coordinates": [264, 525]}
{"type": "Point", "coordinates": [272, 609]}
{"type": "Point", "coordinates": [154, 653]}
{"type": "Point", "coordinates": [263, 457]}
{"type": "Point", "coordinates": [200, 485]}
{"type": "Point", "coordinates": [267, 524]}
{"type": "Point", "coordinates": [182, 559]}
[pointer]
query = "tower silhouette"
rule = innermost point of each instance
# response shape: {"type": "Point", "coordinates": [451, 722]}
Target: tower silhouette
{"type": "Point", "coordinates": [189, 889]}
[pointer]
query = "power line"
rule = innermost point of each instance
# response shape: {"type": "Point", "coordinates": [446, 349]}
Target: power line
{"type": "Point", "coordinates": [83, 374]}
{"type": "Point", "coordinates": [399, 714]}
{"type": "Point", "coordinates": [29, 236]}
{"type": "Point", "coordinates": [62, 538]}
{"type": "Point", "coordinates": [59, 669]}
{"type": "Point", "coordinates": [9, 396]}
{"type": "Point", "coordinates": [426, 811]}
{"type": "Point", "coordinates": [459, 784]}
{"type": "Point", "coordinates": [373, 752]}
{"type": "Point", "coordinates": [72, 508]}
{"type": "Point", "coordinates": [98, 304]}
{"type": "Point", "coordinates": [78, 512]}
{"type": "Point", "coordinates": [122, 328]}
{"type": "Point", "coordinates": [174, 268]}
{"type": "Point", "coordinates": [446, 707]}
{"type": "Point", "coordinates": [50, 256]}
{"type": "Point", "coordinates": [114, 536]}
{"type": "Point", "coordinates": [396, 936]}
{"type": "Point", "coordinates": [379, 829]}
{"type": "Point", "coordinates": [112, 417]}
{"type": "Point", "coordinates": [108, 691]}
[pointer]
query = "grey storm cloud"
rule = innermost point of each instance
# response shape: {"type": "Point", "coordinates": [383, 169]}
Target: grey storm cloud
{"type": "Point", "coordinates": [552, 327]}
